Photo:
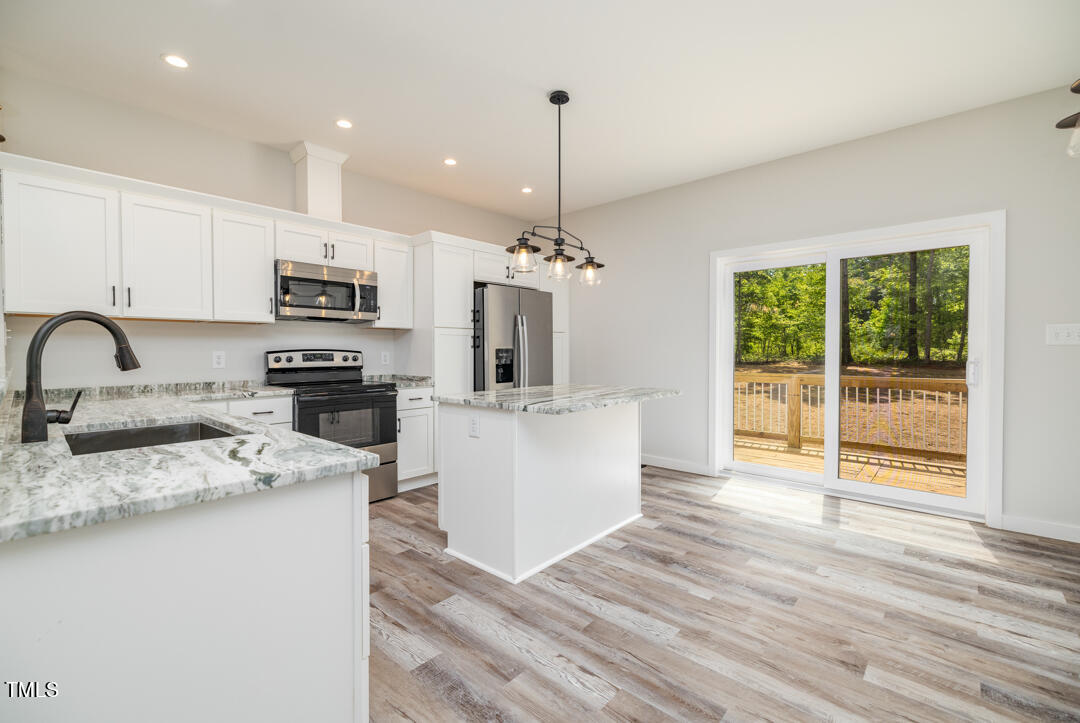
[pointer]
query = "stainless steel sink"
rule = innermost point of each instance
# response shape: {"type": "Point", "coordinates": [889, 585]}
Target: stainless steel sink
{"type": "Point", "coordinates": [113, 439]}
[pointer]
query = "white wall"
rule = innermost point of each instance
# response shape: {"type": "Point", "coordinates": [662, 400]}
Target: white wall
{"type": "Point", "coordinates": [648, 322]}
{"type": "Point", "coordinates": [65, 125]}
{"type": "Point", "coordinates": [80, 353]}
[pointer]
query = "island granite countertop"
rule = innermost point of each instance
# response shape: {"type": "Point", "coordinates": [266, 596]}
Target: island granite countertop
{"type": "Point", "coordinates": [44, 488]}
{"type": "Point", "coordinates": [557, 399]}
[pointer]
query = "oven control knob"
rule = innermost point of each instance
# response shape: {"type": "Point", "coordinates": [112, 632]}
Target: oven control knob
{"type": "Point", "coordinates": [344, 357]}
{"type": "Point", "coordinates": [355, 358]}
{"type": "Point", "coordinates": [277, 360]}
{"type": "Point", "coordinates": [288, 358]}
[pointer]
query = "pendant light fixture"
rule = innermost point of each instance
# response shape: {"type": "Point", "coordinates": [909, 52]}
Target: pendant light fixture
{"type": "Point", "coordinates": [1072, 123]}
{"type": "Point", "coordinates": [523, 252]}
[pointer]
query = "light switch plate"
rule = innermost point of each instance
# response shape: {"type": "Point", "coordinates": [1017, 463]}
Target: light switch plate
{"type": "Point", "coordinates": [386, 358]}
{"type": "Point", "coordinates": [474, 426]}
{"type": "Point", "coordinates": [217, 359]}
{"type": "Point", "coordinates": [1062, 334]}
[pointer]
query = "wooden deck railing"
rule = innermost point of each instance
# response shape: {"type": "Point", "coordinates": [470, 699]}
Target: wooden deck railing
{"type": "Point", "coordinates": [920, 416]}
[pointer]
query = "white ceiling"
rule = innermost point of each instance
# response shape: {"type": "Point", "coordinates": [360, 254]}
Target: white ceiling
{"type": "Point", "coordinates": [661, 92]}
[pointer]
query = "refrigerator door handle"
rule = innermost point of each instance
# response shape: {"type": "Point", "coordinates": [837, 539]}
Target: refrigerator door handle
{"type": "Point", "coordinates": [525, 349]}
{"type": "Point", "coordinates": [517, 351]}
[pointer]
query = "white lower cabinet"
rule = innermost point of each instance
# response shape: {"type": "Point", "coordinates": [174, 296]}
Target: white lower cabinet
{"type": "Point", "coordinates": [168, 266]}
{"type": "Point", "coordinates": [416, 442]}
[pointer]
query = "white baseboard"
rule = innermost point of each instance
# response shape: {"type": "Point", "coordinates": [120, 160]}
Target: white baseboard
{"type": "Point", "coordinates": [541, 566]}
{"type": "Point", "coordinates": [1042, 528]}
{"type": "Point", "coordinates": [679, 465]}
{"type": "Point", "coordinates": [416, 483]}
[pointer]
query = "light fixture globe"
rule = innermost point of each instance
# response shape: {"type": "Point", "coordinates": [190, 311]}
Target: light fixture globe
{"type": "Point", "coordinates": [559, 264]}
{"type": "Point", "coordinates": [590, 272]}
{"type": "Point", "coordinates": [523, 256]}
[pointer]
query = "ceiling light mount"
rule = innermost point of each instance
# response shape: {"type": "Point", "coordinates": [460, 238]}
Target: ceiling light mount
{"type": "Point", "coordinates": [523, 252]}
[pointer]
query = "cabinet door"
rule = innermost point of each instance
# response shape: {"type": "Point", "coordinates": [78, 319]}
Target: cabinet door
{"type": "Point", "coordinates": [302, 243]}
{"type": "Point", "coordinates": [453, 286]}
{"type": "Point", "coordinates": [453, 361]}
{"type": "Point", "coordinates": [531, 280]}
{"type": "Point", "coordinates": [167, 258]}
{"type": "Point", "coordinates": [560, 299]}
{"type": "Point", "coordinates": [350, 252]}
{"type": "Point", "coordinates": [243, 267]}
{"type": "Point", "coordinates": [415, 440]}
{"type": "Point", "coordinates": [61, 246]}
{"type": "Point", "coordinates": [560, 369]}
{"type": "Point", "coordinates": [491, 266]}
{"type": "Point", "coordinates": [393, 264]}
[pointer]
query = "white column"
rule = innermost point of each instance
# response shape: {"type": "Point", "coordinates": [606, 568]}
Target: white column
{"type": "Point", "coordinates": [318, 180]}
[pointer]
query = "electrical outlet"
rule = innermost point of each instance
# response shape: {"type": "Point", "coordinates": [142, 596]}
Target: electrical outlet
{"type": "Point", "coordinates": [1062, 334]}
{"type": "Point", "coordinates": [386, 358]}
{"type": "Point", "coordinates": [474, 426]}
{"type": "Point", "coordinates": [217, 359]}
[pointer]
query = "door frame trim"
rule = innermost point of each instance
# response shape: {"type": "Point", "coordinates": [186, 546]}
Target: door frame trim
{"type": "Point", "coordinates": [720, 328]}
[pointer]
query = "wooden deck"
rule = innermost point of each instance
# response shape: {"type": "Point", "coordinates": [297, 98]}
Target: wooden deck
{"type": "Point", "coordinates": [945, 477]}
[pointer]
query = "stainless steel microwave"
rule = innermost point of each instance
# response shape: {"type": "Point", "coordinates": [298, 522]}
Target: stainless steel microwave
{"type": "Point", "coordinates": [326, 293]}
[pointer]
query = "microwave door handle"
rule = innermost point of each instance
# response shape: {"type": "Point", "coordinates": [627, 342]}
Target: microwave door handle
{"type": "Point", "coordinates": [356, 296]}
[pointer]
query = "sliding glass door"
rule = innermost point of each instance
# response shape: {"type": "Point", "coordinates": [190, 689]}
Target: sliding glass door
{"type": "Point", "coordinates": [857, 368]}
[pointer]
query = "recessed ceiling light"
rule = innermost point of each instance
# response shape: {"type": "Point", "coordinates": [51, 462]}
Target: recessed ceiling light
{"type": "Point", "coordinates": [343, 123]}
{"type": "Point", "coordinates": [526, 190]}
{"type": "Point", "coordinates": [174, 60]}
{"type": "Point", "coordinates": [450, 161]}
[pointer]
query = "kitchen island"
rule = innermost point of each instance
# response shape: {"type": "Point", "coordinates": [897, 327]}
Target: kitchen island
{"type": "Point", "coordinates": [234, 566]}
{"type": "Point", "coordinates": [528, 476]}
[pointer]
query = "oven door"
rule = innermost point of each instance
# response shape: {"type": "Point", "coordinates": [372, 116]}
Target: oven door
{"type": "Point", "coordinates": [355, 420]}
{"type": "Point", "coordinates": [310, 291]}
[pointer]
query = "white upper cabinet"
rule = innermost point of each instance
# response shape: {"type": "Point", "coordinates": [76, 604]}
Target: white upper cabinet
{"type": "Point", "coordinates": [452, 279]}
{"type": "Point", "coordinates": [61, 246]}
{"type": "Point", "coordinates": [560, 299]}
{"type": "Point", "coordinates": [530, 280]}
{"type": "Point", "coordinates": [491, 266]}
{"type": "Point", "coordinates": [302, 243]}
{"type": "Point", "coordinates": [243, 267]}
{"type": "Point", "coordinates": [167, 258]}
{"type": "Point", "coordinates": [351, 252]}
{"type": "Point", "coordinates": [394, 266]}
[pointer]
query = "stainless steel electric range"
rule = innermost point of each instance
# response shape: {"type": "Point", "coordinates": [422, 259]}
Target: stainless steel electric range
{"type": "Point", "coordinates": [332, 402]}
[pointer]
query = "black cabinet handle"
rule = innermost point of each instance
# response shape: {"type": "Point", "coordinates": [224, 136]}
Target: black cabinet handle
{"type": "Point", "coordinates": [508, 272]}
{"type": "Point", "coordinates": [324, 247]}
{"type": "Point", "coordinates": [378, 313]}
{"type": "Point", "coordinates": [271, 304]}
{"type": "Point", "coordinates": [269, 411]}
{"type": "Point", "coordinates": [415, 399]}
{"type": "Point", "coordinates": [399, 425]}
{"type": "Point", "coordinates": [332, 252]}
{"type": "Point", "coordinates": [129, 296]}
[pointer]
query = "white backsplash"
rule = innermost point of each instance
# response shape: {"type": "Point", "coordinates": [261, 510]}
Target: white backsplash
{"type": "Point", "coordinates": [81, 353]}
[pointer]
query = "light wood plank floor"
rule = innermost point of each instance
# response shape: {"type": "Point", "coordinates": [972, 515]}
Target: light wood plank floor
{"type": "Point", "coordinates": [730, 600]}
{"type": "Point", "coordinates": [946, 477]}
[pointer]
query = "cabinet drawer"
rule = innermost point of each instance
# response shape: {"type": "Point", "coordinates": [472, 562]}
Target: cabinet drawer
{"type": "Point", "coordinates": [414, 398]}
{"type": "Point", "coordinates": [270, 411]}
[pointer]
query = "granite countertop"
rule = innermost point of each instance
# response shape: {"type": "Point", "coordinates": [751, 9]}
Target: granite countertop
{"type": "Point", "coordinates": [559, 399]}
{"type": "Point", "coordinates": [44, 488]}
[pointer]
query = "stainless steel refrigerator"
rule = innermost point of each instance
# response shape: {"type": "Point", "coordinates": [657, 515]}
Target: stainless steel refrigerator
{"type": "Point", "coordinates": [511, 338]}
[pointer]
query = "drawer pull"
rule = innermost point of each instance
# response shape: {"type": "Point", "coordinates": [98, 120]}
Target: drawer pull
{"type": "Point", "coordinates": [270, 411]}
{"type": "Point", "coordinates": [415, 399]}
